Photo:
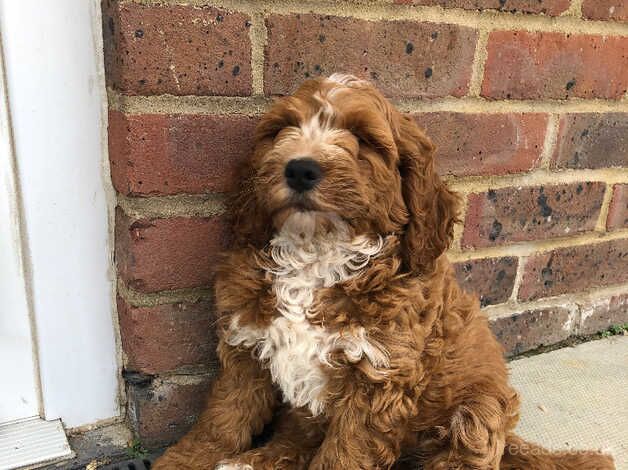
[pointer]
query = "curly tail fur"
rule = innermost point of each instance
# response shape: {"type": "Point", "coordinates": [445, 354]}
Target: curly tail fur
{"type": "Point", "coordinates": [522, 455]}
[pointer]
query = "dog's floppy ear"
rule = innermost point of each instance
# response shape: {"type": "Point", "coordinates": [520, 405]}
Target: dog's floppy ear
{"type": "Point", "coordinates": [249, 225]}
{"type": "Point", "coordinates": [432, 208]}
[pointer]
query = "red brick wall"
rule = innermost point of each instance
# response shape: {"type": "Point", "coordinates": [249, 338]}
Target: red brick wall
{"type": "Point", "coordinates": [526, 100]}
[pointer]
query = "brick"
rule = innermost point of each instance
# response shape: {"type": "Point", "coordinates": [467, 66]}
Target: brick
{"type": "Point", "coordinates": [169, 154]}
{"type": "Point", "coordinates": [522, 65]}
{"type": "Point", "coordinates": [485, 144]}
{"type": "Point", "coordinates": [531, 329]}
{"type": "Point", "coordinates": [490, 278]}
{"type": "Point", "coordinates": [618, 210]}
{"type": "Point", "coordinates": [575, 269]}
{"type": "Point", "coordinates": [519, 214]}
{"type": "Point", "coordinates": [592, 140]}
{"type": "Point", "coordinates": [176, 49]}
{"type": "Point", "coordinates": [165, 254]}
{"type": "Point", "coordinates": [430, 60]}
{"type": "Point", "coordinates": [163, 338]}
{"type": "Point", "coordinates": [599, 315]}
{"type": "Point", "coordinates": [162, 409]}
{"type": "Point", "coordinates": [546, 7]}
{"type": "Point", "coordinates": [605, 10]}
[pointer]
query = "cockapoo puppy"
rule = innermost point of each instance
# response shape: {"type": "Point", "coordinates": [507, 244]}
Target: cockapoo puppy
{"type": "Point", "coordinates": [340, 318]}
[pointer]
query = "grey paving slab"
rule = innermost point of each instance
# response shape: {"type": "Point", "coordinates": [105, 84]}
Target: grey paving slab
{"type": "Point", "coordinates": [577, 397]}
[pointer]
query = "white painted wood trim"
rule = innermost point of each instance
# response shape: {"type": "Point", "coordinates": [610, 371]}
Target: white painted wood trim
{"type": "Point", "coordinates": [20, 393]}
{"type": "Point", "coordinates": [55, 80]}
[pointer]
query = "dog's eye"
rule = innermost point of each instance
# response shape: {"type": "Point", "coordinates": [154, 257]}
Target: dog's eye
{"type": "Point", "coordinates": [279, 132]}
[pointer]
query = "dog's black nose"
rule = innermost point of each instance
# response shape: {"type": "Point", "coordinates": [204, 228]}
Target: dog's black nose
{"type": "Point", "coordinates": [302, 174]}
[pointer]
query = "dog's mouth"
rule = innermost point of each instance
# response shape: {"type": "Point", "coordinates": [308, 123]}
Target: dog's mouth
{"type": "Point", "coordinates": [285, 211]}
{"type": "Point", "coordinates": [299, 208]}
{"type": "Point", "coordinates": [298, 203]}
{"type": "Point", "coordinates": [302, 206]}
{"type": "Point", "coordinates": [304, 227]}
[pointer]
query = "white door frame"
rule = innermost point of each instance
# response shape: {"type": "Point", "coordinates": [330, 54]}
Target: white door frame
{"type": "Point", "coordinates": [20, 396]}
{"type": "Point", "coordinates": [53, 62]}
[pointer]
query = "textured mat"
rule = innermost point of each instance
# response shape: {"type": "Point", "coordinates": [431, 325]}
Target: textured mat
{"type": "Point", "coordinates": [577, 397]}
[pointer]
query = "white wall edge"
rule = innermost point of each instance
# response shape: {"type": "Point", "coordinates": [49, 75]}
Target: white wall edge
{"type": "Point", "coordinates": [110, 194]}
{"type": "Point", "coordinates": [15, 289]}
{"type": "Point", "coordinates": [56, 87]}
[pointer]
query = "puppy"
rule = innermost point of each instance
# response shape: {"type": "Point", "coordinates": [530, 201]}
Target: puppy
{"type": "Point", "coordinates": [340, 318]}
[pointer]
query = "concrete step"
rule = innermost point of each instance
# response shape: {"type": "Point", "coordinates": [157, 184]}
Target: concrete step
{"type": "Point", "coordinates": [577, 398]}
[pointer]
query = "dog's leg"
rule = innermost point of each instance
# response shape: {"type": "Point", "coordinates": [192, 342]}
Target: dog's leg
{"type": "Point", "coordinates": [475, 438]}
{"type": "Point", "coordinates": [292, 446]}
{"type": "Point", "coordinates": [240, 403]}
{"type": "Point", "coordinates": [521, 454]}
{"type": "Point", "coordinates": [366, 430]}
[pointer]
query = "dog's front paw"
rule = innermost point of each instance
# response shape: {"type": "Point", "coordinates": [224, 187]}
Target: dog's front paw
{"type": "Point", "coordinates": [232, 465]}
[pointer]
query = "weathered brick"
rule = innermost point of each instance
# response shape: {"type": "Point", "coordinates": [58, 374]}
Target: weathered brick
{"type": "Point", "coordinates": [490, 278]}
{"type": "Point", "coordinates": [429, 59]}
{"type": "Point", "coordinates": [161, 410]}
{"type": "Point", "coordinates": [176, 49]}
{"type": "Point", "coordinates": [618, 210]}
{"type": "Point", "coordinates": [599, 315]}
{"type": "Point", "coordinates": [485, 144]}
{"type": "Point", "coordinates": [605, 10]}
{"type": "Point", "coordinates": [535, 213]}
{"type": "Point", "coordinates": [546, 7]}
{"type": "Point", "coordinates": [528, 330]}
{"type": "Point", "coordinates": [592, 140]}
{"type": "Point", "coordinates": [163, 338]}
{"type": "Point", "coordinates": [164, 254]}
{"type": "Point", "coordinates": [524, 65]}
{"type": "Point", "coordinates": [575, 269]}
{"type": "Point", "coordinates": [168, 154]}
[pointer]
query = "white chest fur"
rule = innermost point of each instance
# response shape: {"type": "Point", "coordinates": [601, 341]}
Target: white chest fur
{"type": "Point", "coordinates": [295, 350]}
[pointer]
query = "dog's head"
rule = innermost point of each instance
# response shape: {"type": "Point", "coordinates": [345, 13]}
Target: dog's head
{"type": "Point", "coordinates": [338, 146]}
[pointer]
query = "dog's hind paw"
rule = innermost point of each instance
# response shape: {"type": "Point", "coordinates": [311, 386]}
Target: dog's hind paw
{"type": "Point", "coordinates": [231, 465]}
